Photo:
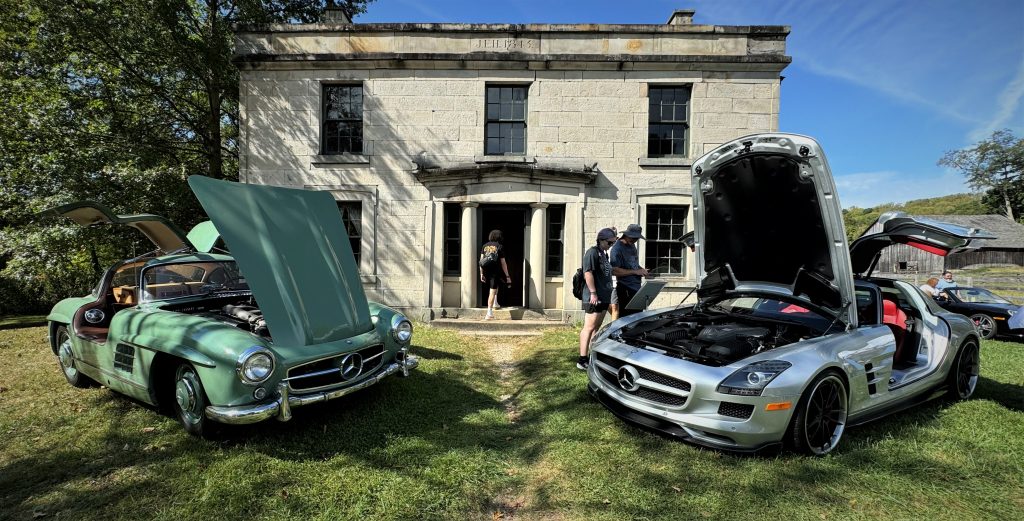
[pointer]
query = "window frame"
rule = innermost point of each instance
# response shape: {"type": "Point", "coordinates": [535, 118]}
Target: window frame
{"type": "Point", "coordinates": [675, 124]}
{"type": "Point", "coordinates": [500, 120]}
{"type": "Point", "coordinates": [554, 247]}
{"type": "Point", "coordinates": [356, 242]}
{"type": "Point", "coordinates": [452, 246]}
{"type": "Point", "coordinates": [652, 232]}
{"type": "Point", "coordinates": [358, 116]}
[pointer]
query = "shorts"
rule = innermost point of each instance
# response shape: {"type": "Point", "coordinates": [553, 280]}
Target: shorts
{"type": "Point", "coordinates": [496, 280]}
{"type": "Point", "coordinates": [600, 307]}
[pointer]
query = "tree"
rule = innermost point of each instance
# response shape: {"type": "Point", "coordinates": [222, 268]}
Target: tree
{"type": "Point", "coordinates": [995, 164]}
{"type": "Point", "coordinates": [116, 101]}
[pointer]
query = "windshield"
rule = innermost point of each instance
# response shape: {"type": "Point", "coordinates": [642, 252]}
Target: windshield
{"type": "Point", "coordinates": [764, 307]}
{"type": "Point", "coordinates": [978, 295]}
{"type": "Point", "coordinates": [170, 281]}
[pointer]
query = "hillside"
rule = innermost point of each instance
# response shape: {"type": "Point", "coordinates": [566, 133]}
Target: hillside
{"type": "Point", "coordinates": [859, 219]}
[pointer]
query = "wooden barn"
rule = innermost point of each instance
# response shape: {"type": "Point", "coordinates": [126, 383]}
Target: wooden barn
{"type": "Point", "coordinates": [1007, 248]}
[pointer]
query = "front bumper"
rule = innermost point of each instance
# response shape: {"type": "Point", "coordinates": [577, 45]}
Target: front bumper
{"type": "Point", "coordinates": [696, 413]}
{"type": "Point", "coordinates": [281, 407]}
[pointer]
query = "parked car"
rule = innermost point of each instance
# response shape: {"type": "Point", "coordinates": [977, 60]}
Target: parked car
{"type": "Point", "coordinates": [279, 323]}
{"type": "Point", "coordinates": [791, 339]}
{"type": "Point", "coordinates": [989, 312]}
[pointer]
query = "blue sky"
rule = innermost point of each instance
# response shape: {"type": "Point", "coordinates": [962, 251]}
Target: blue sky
{"type": "Point", "coordinates": [887, 86]}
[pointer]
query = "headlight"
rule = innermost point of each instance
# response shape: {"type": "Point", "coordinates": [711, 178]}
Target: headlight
{"type": "Point", "coordinates": [1011, 312]}
{"type": "Point", "coordinates": [752, 379]}
{"type": "Point", "coordinates": [401, 329]}
{"type": "Point", "coordinates": [255, 365]}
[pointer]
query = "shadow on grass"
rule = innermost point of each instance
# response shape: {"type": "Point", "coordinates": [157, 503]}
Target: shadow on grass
{"type": "Point", "coordinates": [1008, 395]}
{"type": "Point", "coordinates": [433, 354]}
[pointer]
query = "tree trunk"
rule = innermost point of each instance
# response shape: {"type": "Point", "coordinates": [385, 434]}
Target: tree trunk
{"type": "Point", "coordinates": [213, 144]}
{"type": "Point", "coordinates": [1009, 209]}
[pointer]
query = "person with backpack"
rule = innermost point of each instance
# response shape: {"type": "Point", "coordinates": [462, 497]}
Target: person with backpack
{"type": "Point", "coordinates": [597, 291]}
{"type": "Point", "coordinates": [493, 268]}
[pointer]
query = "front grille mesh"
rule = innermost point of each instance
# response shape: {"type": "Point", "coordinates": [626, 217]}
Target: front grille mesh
{"type": "Point", "coordinates": [736, 410]}
{"type": "Point", "coordinates": [646, 393]}
{"type": "Point", "coordinates": [305, 377]}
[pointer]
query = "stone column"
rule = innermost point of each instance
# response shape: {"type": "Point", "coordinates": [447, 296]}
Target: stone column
{"type": "Point", "coordinates": [538, 245]}
{"type": "Point", "coordinates": [470, 273]}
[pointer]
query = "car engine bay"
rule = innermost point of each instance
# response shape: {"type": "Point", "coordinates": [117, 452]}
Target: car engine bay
{"type": "Point", "coordinates": [711, 339]}
{"type": "Point", "coordinates": [240, 311]}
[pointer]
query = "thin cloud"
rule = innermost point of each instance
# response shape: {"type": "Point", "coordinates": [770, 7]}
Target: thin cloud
{"type": "Point", "coordinates": [869, 189]}
{"type": "Point", "coordinates": [1007, 109]}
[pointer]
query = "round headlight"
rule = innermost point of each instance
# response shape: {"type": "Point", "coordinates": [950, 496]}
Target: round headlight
{"type": "Point", "coordinates": [401, 329]}
{"type": "Point", "coordinates": [255, 365]}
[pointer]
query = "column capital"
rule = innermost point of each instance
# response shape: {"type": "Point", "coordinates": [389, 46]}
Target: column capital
{"type": "Point", "coordinates": [539, 206]}
{"type": "Point", "coordinates": [470, 204]}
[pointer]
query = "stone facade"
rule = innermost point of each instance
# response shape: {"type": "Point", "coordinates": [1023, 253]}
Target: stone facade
{"type": "Point", "coordinates": [423, 125]}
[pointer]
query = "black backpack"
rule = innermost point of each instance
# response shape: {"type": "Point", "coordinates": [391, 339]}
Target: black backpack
{"type": "Point", "coordinates": [490, 258]}
{"type": "Point", "coordinates": [577, 284]}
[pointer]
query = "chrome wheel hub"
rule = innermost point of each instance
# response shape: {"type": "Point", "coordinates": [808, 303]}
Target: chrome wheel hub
{"type": "Point", "coordinates": [67, 358]}
{"type": "Point", "coordinates": [185, 395]}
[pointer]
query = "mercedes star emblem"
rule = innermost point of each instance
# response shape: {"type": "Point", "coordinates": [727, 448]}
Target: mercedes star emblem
{"type": "Point", "coordinates": [628, 376]}
{"type": "Point", "coordinates": [351, 365]}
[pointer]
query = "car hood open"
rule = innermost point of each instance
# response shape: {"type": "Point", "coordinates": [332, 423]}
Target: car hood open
{"type": "Point", "coordinates": [163, 233]}
{"type": "Point", "coordinates": [292, 247]}
{"type": "Point", "coordinates": [767, 218]}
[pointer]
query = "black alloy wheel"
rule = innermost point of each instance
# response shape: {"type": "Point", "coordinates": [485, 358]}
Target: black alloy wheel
{"type": "Point", "coordinates": [963, 376]}
{"type": "Point", "coordinates": [985, 325]}
{"type": "Point", "coordinates": [820, 419]}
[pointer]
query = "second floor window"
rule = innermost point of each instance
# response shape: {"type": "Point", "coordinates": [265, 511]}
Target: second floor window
{"type": "Point", "coordinates": [668, 124]}
{"type": "Point", "coordinates": [342, 120]}
{"type": "Point", "coordinates": [506, 120]}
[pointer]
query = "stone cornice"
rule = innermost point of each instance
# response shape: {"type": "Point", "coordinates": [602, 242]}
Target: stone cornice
{"type": "Point", "coordinates": [753, 30]}
{"type": "Point", "coordinates": [488, 171]}
{"type": "Point", "coordinates": [394, 60]}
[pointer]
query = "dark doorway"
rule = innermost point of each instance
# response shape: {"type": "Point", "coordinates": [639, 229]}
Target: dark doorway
{"type": "Point", "coordinates": [512, 220]}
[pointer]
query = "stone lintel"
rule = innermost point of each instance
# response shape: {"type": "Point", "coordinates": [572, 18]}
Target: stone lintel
{"type": "Point", "coordinates": [478, 172]}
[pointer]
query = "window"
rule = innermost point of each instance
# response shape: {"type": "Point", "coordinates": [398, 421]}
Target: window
{"type": "Point", "coordinates": [556, 229]}
{"type": "Point", "coordinates": [664, 251]}
{"type": "Point", "coordinates": [668, 121]}
{"type": "Point", "coordinates": [506, 120]}
{"type": "Point", "coordinates": [352, 216]}
{"type": "Point", "coordinates": [342, 122]}
{"type": "Point", "coordinates": [452, 239]}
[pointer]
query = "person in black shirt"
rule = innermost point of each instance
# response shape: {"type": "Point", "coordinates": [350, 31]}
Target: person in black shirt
{"type": "Point", "coordinates": [493, 268]}
{"type": "Point", "coordinates": [597, 292]}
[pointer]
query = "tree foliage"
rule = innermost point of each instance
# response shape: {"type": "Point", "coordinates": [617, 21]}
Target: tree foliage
{"type": "Point", "coordinates": [994, 165]}
{"type": "Point", "coordinates": [116, 101]}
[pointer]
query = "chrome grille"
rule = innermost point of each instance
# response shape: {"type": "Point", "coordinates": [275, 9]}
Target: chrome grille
{"type": "Point", "coordinates": [608, 367]}
{"type": "Point", "coordinates": [736, 410]}
{"type": "Point", "coordinates": [327, 372]}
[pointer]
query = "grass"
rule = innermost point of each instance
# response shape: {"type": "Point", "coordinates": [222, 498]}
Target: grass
{"type": "Point", "coordinates": [487, 431]}
{"type": "Point", "coordinates": [17, 321]}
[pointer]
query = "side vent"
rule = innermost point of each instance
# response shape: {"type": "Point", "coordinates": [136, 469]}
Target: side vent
{"type": "Point", "coordinates": [124, 357]}
{"type": "Point", "coordinates": [869, 371]}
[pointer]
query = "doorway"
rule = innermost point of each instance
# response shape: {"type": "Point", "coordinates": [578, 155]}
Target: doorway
{"type": "Point", "coordinates": [513, 221]}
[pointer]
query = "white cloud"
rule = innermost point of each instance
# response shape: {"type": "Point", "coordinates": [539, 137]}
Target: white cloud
{"type": "Point", "coordinates": [1007, 109]}
{"type": "Point", "coordinates": [868, 189]}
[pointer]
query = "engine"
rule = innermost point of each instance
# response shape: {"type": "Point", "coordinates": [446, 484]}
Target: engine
{"type": "Point", "coordinates": [710, 340]}
{"type": "Point", "coordinates": [241, 312]}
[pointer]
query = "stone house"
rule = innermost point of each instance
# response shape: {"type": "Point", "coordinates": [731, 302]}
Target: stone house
{"type": "Point", "coordinates": [431, 135]}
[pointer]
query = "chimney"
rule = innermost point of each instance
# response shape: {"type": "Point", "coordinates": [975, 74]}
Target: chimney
{"type": "Point", "coordinates": [336, 14]}
{"type": "Point", "coordinates": [681, 17]}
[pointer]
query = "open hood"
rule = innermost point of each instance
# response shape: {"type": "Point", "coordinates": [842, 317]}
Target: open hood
{"type": "Point", "coordinates": [292, 247]}
{"type": "Point", "coordinates": [163, 233]}
{"type": "Point", "coordinates": [767, 218]}
{"type": "Point", "coordinates": [924, 234]}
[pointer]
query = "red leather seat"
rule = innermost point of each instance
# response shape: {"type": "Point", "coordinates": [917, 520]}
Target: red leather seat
{"type": "Point", "coordinates": [896, 319]}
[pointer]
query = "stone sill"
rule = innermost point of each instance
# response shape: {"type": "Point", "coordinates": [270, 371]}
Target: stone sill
{"type": "Point", "coordinates": [554, 279]}
{"type": "Point", "coordinates": [340, 159]}
{"type": "Point", "coordinates": [368, 279]}
{"type": "Point", "coordinates": [666, 161]}
{"type": "Point", "coordinates": [504, 159]}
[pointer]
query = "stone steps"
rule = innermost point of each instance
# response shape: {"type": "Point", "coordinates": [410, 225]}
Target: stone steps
{"type": "Point", "coordinates": [499, 326]}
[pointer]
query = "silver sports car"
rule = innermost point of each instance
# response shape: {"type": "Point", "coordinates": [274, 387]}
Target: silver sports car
{"type": "Point", "coordinates": [791, 339]}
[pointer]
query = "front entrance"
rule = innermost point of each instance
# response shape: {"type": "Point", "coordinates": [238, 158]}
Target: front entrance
{"type": "Point", "coordinates": [513, 221]}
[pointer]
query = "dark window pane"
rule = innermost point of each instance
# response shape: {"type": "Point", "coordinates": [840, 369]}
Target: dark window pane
{"type": "Point", "coordinates": [342, 119]}
{"type": "Point", "coordinates": [506, 120]}
{"type": "Point", "coordinates": [555, 246]}
{"type": "Point", "coordinates": [665, 224]}
{"type": "Point", "coordinates": [351, 216]}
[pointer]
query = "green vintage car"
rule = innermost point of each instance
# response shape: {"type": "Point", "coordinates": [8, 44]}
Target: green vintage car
{"type": "Point", "coordinates": [281, 322]}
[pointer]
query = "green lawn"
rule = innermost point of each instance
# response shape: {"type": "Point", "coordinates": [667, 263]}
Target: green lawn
{"type": "Point", "coordinates": [486, 430]}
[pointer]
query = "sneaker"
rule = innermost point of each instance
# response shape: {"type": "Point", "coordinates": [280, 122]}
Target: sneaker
{"type": "Point", "coordinates": [582, 363]}
{"type": "Point", "coordinates": [488, 317]}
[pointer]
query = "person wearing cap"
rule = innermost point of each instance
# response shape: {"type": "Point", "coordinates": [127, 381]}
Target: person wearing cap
{"type": "Point", "coordinates": [625, 261]}
{"type": "Point", "coordinates": [597, 291]}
